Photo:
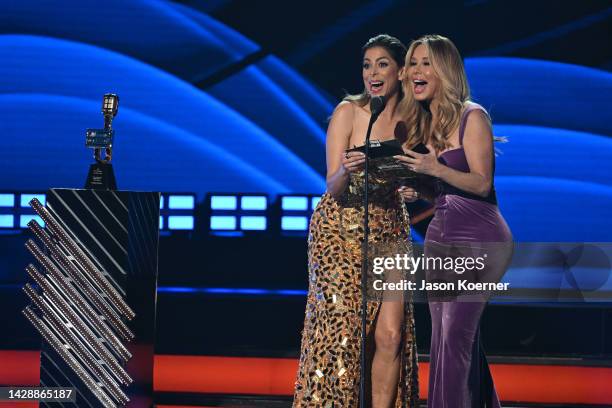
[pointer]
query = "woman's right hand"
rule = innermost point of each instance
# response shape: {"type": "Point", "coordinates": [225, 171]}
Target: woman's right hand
{"type": "Point", "coordinates": [353, 162]}
{"type": "Point", "coordinates": [408, 194]}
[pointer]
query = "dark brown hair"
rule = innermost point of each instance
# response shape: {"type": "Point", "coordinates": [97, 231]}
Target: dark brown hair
{"type": "Point", "coordinates": [394, 47]}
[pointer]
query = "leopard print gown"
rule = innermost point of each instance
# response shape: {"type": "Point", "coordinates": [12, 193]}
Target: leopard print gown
{"type": "Point", "coordinates": [329, 366]}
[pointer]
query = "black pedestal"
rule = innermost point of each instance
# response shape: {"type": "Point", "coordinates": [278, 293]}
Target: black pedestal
{"type": "Point", "coordinates": [101, 177]}
{"type": "Point", "coordinates": [103, 246]}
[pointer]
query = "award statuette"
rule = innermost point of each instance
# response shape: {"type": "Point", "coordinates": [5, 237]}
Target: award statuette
{"type": "Point", "coordinates": [101, 175]}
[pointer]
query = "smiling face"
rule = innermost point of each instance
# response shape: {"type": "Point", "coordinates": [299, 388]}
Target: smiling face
{"type": "Point", "coordinates": [424, 82]}
{"type": "Point", "coordinates": [380, 72]}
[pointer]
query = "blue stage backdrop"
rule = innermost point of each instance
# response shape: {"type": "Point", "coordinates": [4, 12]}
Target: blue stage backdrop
{"type": "Point", "coordinates": [205, 109]}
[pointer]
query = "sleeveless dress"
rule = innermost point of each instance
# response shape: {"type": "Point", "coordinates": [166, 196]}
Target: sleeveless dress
{"type": "Point", "coordinates": [329, 366]}
{"type": "Point", "coordinates": [459, 375]}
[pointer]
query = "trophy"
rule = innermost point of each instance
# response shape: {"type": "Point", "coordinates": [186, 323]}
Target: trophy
{"type": "Point", "coordinates": [101, 175]}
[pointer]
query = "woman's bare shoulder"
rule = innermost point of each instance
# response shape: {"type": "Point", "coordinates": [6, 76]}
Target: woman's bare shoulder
{"type": "Point", "coordinates": [341, 122]}
{"type": "Point", "coordinates": [345, 108]}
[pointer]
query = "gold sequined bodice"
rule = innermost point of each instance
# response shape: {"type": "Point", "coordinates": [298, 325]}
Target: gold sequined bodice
{"type": "Point", "coordinates": [382, 192]}
{"type": "Point", "coordinates": [388, 218]}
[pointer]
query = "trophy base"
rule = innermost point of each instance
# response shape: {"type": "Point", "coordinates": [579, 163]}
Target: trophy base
{"type": "Point", "coordinates": [101, 177]}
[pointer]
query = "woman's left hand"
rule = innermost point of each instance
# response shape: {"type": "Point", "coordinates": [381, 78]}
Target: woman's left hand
{"type": "Point", "coordinates": [420, 163]}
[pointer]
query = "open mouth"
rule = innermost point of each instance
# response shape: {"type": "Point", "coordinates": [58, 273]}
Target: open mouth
{"type": "Point", "coordinates": [419, 86]}
{"type": "Point", "coordinates": [376, 86]}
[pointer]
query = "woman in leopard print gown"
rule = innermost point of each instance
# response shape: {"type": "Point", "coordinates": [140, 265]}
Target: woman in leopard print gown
{"type": "Point", "coordinates": [329, 368]}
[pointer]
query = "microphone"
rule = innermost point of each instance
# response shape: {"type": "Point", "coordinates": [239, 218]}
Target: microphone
{"type": "Point", "coordinates": [377, 105]}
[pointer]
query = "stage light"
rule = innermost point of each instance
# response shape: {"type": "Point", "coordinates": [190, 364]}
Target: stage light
{"type": "Point", "coordinates": [177, 212]}
{"type": "Point", "coordinates": [254, 203]}
{"type": "Point", "coordinates": [15, 211]}
{"type": "Point", "coordinates": [253, 223]}
{"type": "Point", "coordinates": [24, 219]}
{"type": "Point", "coordinates": [237, 213]}
{"type": "Point", "coordinates": [291, 292]}
{"type": "Point", "coordinates": [181, 202]}
{"type": "Point", "coordinates": [26, 198]}
{"type": "Point", "coordinates": [222, 223]}
{"type": "Point", "coordinates": [180, 222]}
{"type": "Point", "coordinates": [219, 202]}
{"type": "Point", "coordinates": [176, 289]}
{"type": "Point", "coordinates": [240, 291]}
{"type": "Point", "coordinates": [253, 207]}
{"type": "Point", "coordinates": [7, 200]}
{"type": "Point", "coordinates": [294, 203]}
{"type": "Point", "coordinates": [233, 291]}
{"type": "Point", "coordinates": [294, 223]}
{"type": "Point", "coordinates": [7, 221]}
{"type": "Point", "coordinates": [295, 213]}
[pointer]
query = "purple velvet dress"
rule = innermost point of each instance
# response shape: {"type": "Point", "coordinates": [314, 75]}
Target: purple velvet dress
{"type": "Point", "coordinates": [459, 374]}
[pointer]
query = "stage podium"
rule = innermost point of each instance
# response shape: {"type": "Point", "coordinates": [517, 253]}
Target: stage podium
{"type": "Point", "coordinates": [94, 304]}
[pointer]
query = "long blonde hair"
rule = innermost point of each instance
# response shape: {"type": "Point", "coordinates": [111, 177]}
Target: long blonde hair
{"type": "Point", "coordinates": [451, 96]}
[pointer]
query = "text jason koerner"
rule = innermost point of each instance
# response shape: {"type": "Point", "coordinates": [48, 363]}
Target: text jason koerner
{"type": "Point", "coordinates": [441, 286]}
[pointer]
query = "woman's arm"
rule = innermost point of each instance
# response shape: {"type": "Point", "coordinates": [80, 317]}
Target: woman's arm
{"type": "Point", "coordinates": [338, 164]}
{"type": "Point", "coordinates": [410, 195]}
{"type": "Point", "coordinates": [478, 148]}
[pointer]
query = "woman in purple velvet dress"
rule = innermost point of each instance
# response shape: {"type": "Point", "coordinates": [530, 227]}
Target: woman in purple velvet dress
{"type": "Point", "coordinates": [467, 222]}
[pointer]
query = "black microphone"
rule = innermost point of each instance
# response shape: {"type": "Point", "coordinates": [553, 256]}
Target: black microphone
{"type": "Point", "coordinates": [377, 105]}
